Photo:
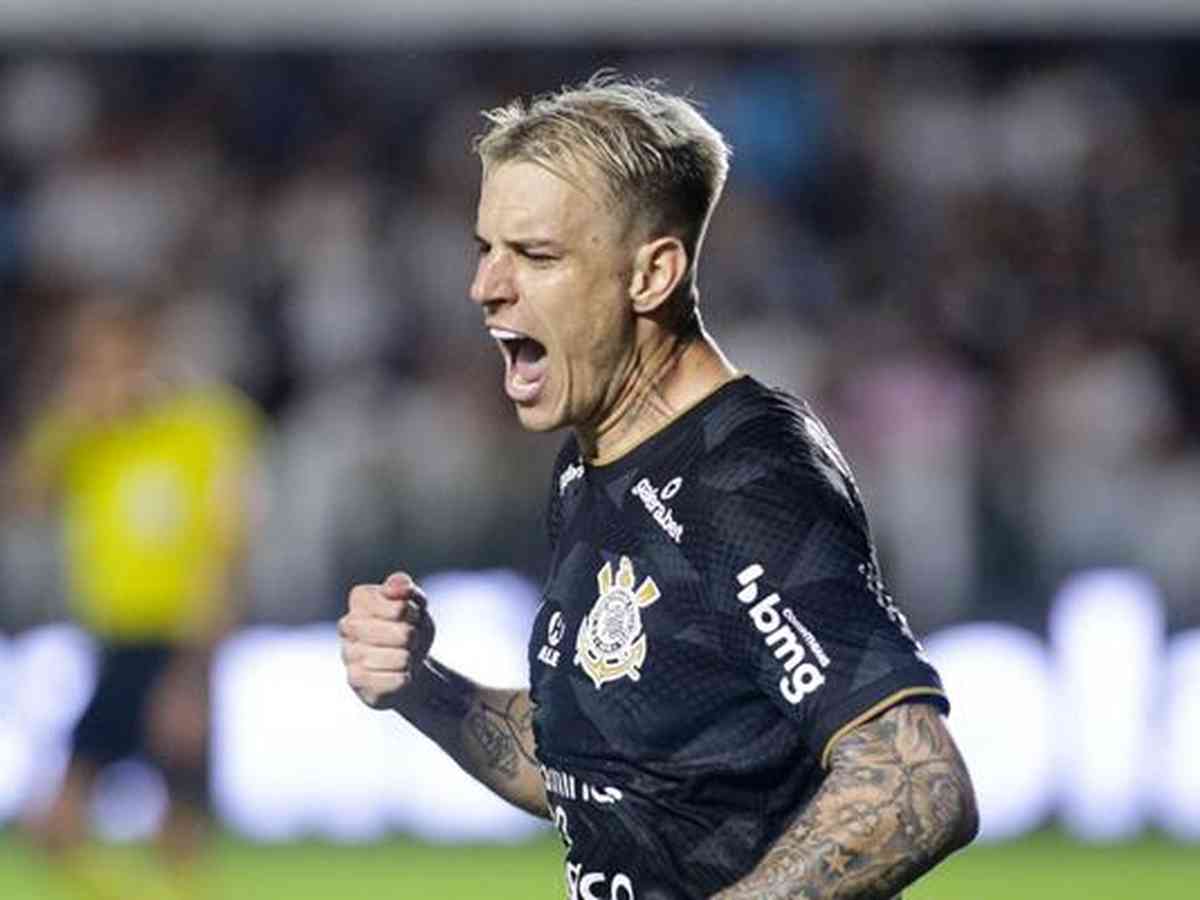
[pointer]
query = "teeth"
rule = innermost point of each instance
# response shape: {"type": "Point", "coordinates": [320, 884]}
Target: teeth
{"type": "Point", "coordinates": [503, 334]}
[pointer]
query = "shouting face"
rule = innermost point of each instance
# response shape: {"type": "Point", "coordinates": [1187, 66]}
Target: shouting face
{"type": "Point", "coordinates": [553, 282]}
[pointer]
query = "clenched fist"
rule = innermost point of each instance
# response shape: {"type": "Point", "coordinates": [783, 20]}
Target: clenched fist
{"type": "Point", "coordinates": [385, 637]}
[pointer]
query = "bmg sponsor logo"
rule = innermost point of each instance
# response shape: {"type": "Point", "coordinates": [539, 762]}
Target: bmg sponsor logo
{"type": "Point", "coordinates": [784, 633]}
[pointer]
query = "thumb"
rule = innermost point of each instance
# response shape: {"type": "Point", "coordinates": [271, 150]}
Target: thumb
{"type": "Point", "coordinates": [397, 586]}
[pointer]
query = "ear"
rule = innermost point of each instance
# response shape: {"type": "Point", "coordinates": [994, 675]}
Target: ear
{"type": "Point", "coordinates": [659, 267]}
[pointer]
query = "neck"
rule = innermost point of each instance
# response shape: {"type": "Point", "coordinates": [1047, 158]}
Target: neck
{"type": "Point", "coordinates": [667, 378]}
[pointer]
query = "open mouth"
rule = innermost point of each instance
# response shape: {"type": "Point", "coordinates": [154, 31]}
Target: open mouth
{"type": "Point", "coordinates": [524, 362]}
{"type": "Point", "coordinates": [517, 347]}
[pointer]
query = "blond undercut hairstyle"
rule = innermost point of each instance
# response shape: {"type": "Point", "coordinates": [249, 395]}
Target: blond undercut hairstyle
{"type": "Point", "coordinates": [661, 162]}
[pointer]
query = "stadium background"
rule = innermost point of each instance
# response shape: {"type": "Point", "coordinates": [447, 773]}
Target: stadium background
{"type": "Point", "coordinates": [970, 235]}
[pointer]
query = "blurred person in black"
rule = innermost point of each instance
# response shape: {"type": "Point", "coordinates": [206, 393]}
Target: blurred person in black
{"type": "Point", "coordinates": [725, 700]}
{"type": "Point", "coordinates": [149, 475]}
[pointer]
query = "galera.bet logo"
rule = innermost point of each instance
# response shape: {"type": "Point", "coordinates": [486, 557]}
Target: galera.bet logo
{"type": "Point", "coordinates": [611, 642]}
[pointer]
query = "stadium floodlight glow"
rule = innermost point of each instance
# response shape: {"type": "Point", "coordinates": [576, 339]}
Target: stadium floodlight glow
{"type": "Point", "coordinates": [1000, 681]}
{"type": "Point", "coordinates": [55, 673]}
{"type": "Point", "coordinates": [16, 765]}
{"type": "Point", "coordinates": [1100, 726]}
{"type": "Point", "coordinates": [15, 750]}
{"type": "Point", "coordinates": [48, 674]}
{"type": "Point", "coordinates": [1177, 799]}
{"type": "Point", "coordinates": [1106, 631]}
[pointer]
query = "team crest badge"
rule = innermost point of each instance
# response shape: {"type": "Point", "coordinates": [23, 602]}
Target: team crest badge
{"type": "Point", "coordinates": [611, 642]}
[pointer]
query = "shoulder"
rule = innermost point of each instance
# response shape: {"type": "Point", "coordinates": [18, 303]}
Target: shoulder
{"type": "Point", "coordinates": [212, 418]}
{"type": "Point", "coordinates": [776, 491]}
{"type": "Point", "coordinates": [217, 404]}
{"type": "Point", "coordinates": [768, 443]}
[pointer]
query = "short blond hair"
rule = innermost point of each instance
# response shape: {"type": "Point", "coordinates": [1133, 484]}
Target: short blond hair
{"type": "Point", "coordinates": [660, 160]}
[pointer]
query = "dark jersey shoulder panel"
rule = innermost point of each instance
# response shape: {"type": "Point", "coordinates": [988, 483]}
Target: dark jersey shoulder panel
{"type": "Point", "coordinates": [793, 573]}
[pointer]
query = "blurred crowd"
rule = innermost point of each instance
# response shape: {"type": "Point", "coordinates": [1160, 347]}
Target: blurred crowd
{"type": "Point", "coordinates": [980, 262]}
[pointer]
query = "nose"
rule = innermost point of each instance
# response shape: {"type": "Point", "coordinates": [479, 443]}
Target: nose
{"type": "Point", "coordinates": [493, 283]}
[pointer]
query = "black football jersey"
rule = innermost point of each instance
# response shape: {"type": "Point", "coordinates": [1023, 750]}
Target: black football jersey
{"type": "Point", "coordinates": [713, 619]}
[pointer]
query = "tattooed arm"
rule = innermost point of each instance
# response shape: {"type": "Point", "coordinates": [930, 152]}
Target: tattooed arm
{"type": "Point", "coordinates": [386, 635]}
{"type": "Point", "coordinates": [487, 731]}
{"type": "Point", "coordinates": [897, 800]}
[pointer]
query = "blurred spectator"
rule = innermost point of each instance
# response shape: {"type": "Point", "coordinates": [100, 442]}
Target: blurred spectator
{"type": "Point", "coordinates": [150, 476]}
{"type": "Point", "coordinates": [995, 244]}
{"type": "Point", "coordinates": [909, 411]}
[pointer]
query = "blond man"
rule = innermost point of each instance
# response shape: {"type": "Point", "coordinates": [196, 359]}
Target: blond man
{"type": "Point", "coordinates": [724, 700]}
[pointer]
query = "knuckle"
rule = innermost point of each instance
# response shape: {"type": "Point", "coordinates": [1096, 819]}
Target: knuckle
{"type": "Point", "coordinates": [385, 634]}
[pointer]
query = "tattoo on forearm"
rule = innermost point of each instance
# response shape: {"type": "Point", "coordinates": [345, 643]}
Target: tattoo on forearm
{"type": "Point", "coordinates": [450, 693]}
{"type": "Point", "coordinates": [897, 800]}
{"type": "Point", "coordinates": [499, 748]}
{"type": "Point", "coordinates": [505, 736]}
{"type": "Point", "coordinates": [518, 714]}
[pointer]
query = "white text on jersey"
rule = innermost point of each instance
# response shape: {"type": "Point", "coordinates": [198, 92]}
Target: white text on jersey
{"type": "Point", "coordinates": [583, 885]}
{"type": "Point", "coordinates": [802, 678]}
{"type": "Point", "coordinates": [573, 472]}
{"type": "Point", "coordinates": [565, 785]}
{"type": "Point", "coordinates": [659, 511]}
{"type": "Point", "coordinates": [554, 633]}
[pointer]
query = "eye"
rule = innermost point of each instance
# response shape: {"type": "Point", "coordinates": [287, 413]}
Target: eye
{"type": "Point", "coordinates": [537, 256]}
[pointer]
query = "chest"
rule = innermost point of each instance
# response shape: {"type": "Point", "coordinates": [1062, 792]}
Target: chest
{"type": "Point", "coordinates": [625, 655]}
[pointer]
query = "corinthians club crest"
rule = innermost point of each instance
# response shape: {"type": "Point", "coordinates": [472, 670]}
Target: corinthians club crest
{"type": "Point", "coordinates": [611, 642]}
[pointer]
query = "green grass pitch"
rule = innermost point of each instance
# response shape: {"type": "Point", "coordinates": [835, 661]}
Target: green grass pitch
{"type": "Point", "coordinates": [1045, 866]}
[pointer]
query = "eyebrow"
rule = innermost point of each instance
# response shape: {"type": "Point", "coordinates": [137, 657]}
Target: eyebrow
{"type": "Point", "coordinates": [529, 243]}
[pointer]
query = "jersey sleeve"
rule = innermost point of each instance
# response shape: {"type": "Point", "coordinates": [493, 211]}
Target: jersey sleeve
{"type": "Point", "coordinates": [794, 583]}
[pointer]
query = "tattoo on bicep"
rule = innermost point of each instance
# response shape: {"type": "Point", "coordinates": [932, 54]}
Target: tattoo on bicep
{"type": "Point", "coordinates": [889, 810]}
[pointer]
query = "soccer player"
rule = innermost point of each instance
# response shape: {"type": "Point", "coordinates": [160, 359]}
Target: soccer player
{"type": "Point", "coordinates": [724, 701]}
{"type": "Point", "coordinates": [149, 475]}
